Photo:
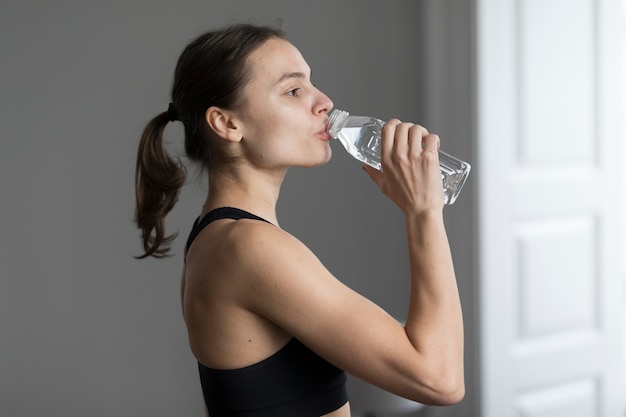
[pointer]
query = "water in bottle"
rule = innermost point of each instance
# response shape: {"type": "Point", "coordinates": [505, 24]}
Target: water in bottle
{"type": "Point", "coordinates": [360, 136]}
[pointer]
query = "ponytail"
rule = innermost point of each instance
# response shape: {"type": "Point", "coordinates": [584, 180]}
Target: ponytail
{"type": "Point", "coordinates": [158, 179]}
{"type": "Point", "coordinates": [211, 71]}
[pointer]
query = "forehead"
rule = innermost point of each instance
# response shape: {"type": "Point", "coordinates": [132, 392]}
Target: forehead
{"type": "Point", "coordinates": [275, 58]}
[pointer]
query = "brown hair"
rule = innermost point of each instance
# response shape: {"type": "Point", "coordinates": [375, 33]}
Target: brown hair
{"type": "Point", "coordinates": [211, 71]}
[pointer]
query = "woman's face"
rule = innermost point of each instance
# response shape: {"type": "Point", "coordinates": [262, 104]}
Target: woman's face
{"type": "Point", "coordinates": [284, 116]}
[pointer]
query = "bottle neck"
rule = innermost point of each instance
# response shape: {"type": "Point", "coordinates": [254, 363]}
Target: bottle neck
{"type": "Point", "coordinates": [336, 121]}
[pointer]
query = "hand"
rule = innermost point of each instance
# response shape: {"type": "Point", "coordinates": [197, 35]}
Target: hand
{"type": "Point", "coordinates": [410, 174]}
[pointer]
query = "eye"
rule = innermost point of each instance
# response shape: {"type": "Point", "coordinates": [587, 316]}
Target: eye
{"type": "Point", "coordinates": [295, 92]}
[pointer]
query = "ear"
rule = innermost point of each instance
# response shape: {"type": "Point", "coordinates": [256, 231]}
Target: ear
{"type": "Point", "coordinates": [223, 123]}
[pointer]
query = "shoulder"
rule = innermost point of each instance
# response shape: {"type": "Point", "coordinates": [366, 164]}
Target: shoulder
{"type": "Point", "coordinates": [272, 273]}
{"type": "Point", "coordinates": [264, 246]}
{"type": "Point", "coordinates": [272, 269]}
{"type": "Point", "coordinates": [246, 249]}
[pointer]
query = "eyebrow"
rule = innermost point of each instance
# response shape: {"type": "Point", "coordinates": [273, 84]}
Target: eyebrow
{"type": "Point", "coordinates": [291, 75]}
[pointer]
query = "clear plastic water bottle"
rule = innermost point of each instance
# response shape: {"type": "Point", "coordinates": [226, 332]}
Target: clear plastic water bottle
{"type": "Point", "coordinates": [360, 135]}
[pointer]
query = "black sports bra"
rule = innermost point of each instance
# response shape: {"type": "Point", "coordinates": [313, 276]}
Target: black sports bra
{"type": "Point", "coordinates": [294, 381]}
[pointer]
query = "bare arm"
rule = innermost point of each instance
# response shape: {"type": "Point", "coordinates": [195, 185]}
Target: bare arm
{"type": "Point", "coordinates": [411, 178]}
{"type": "Point", "coordinates": [288, 285]}
{"type": "Point", "coordinates": [434, 323]}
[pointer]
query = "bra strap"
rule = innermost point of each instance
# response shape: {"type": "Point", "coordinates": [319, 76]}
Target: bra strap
{"type": "Point", "coordinates": [217, 214]}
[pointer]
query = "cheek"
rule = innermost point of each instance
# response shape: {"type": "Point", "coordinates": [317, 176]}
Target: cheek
{"type": "Point", "coordinates": [275, 136]}
{"type": "Point", "coordinates": [267, 144]}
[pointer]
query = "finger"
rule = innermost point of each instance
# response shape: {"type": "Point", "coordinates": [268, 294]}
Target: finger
{"type": "Point", "coordinates": [401, 139]}
{"type": "Point", "coordinates": [387, 139]}
{"type": "Point", "coordinates": [417, 134]}
{"type": "Point", "coordinates": [431, 142]}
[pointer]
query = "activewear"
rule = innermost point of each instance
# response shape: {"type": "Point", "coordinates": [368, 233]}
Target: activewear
{"type": "Point", "coordinates": [293, 382]}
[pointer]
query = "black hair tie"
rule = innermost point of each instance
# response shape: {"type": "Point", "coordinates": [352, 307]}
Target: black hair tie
{"type": "Point", "coordinates": [171, 112]}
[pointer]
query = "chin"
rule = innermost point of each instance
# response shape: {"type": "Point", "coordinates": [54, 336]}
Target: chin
{"type": "Point", "coordinates": [324, 160]}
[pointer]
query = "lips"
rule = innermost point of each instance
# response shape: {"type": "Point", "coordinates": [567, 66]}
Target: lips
{"type": "Point", "coordinates": [323, 133]}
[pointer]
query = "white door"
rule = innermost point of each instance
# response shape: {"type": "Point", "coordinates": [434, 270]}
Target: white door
{"type": "Point", "coordinates": [549, 207]}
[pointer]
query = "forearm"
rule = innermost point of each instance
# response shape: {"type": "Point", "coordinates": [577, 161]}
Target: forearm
{"type": "Point", "coordinates": [434, 323]}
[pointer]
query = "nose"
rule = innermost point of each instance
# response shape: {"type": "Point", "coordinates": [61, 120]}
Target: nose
{"type": "Point", "coordinates": [323, 103]}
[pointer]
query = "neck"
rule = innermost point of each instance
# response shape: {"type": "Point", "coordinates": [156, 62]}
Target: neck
{"type": "Point", "coordinates": [255, 191]}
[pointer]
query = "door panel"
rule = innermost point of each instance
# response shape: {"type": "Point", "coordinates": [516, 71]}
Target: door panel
{"type": "Point", "coordinates": [549, 207]}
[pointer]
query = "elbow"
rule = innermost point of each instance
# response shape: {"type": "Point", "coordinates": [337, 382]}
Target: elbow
{"type": "Point", "coordinates": [450, 395]}
{"type": "Point", "coordinates": [441, 391]}
{"type": "Point", "coordinates": [445, 393]}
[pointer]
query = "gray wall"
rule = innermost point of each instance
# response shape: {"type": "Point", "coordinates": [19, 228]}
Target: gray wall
{"type": "Point", "coordinates": [87, 330]}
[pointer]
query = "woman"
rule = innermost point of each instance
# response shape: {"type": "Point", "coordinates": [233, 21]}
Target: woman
{"type": "Point", "coordinates": [249, 289]}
